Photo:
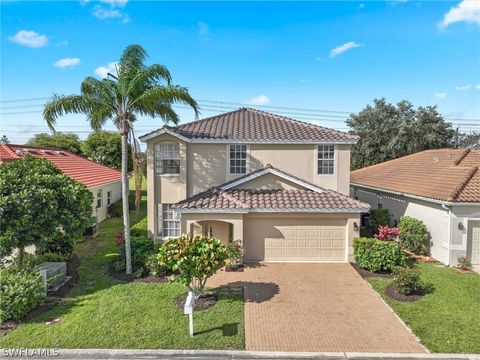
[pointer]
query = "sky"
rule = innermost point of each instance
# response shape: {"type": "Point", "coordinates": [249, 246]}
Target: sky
{"type": "Point", "coordinates": [328, 58]}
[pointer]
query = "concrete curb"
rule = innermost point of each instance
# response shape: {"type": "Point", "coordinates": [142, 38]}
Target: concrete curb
{"type": "Point", "coordinates": [219, 354]}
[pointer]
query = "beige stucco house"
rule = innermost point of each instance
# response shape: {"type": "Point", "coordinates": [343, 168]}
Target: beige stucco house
{"type": "Point", "coordinates": [278, 185]}
{"type": "Point", "coordinates": [440, 187]}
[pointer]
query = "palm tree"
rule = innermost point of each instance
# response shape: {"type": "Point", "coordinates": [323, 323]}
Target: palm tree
{"type": "Point", "coordinates": [135, 89]}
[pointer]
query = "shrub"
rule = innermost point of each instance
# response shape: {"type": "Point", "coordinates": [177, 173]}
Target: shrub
{"type": "Point", "coordinates": [48, 257]}
{"type": "Point", "coordinates": [379, 217]}
{"type": "Point", "coordinates": [413, 235]}
{"type": "Point", "coordinates": [366, 233]}
{"type": "Point", "coordinates": [140, 228]}
{"type": "Point", "coordinates": [154, 268]}
{"type": "Point", "coordinates": [234, 251]}
{"type": "Point", "coordinates": [407, 280]}
{"type": "Point", "coordinates": [20, 291]}
{"type": "Point", "coordinates": [116, 209]}
{"type": "Point", "coordinates": [378, 256]}
{"type": "Point", "coordinates": [193, 259]}
{"type": "Point", "coordinates": [387, 233]}
{"type": "Point", "coordinates": [464, 263]}
{"type": "Point", "coordinates": [141, 248]}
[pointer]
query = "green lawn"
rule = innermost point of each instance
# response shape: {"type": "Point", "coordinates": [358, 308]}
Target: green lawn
{"type": "Point", "coordinates": [101, 312]}
{"type": "Point", "coordinates": [447, 320]}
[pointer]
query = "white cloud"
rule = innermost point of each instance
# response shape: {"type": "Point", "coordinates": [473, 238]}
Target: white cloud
{"type": "Point", "coordinates": [467, 10]}
{"type": "Point", "coordinates": [463, 87]}
{"type": "Point", "coordinates": [62, 43]}
{"type": "Point", "coordinates": [345, 47]}
{"type": "Point", "coordinates": [29, 38]}
{"type": "Point", "coordinates": [67, 62]}
{"type": "Point", "coordinates": [477, 86]}
{"type": "Point", "coordinates": [203, 27]}
{"type": "Point", "coordinates": [102, 71]}
{"type": "Point", "coordinates": [115, 3]}
{"type": "Point", "coordinates": [441, 95]}
{"type": "Point", "coordinates": [259, 100]}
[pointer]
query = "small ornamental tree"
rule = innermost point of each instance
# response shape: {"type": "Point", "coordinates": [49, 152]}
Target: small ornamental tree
{"type": "Point", "coordinates": [193, 260]}
{"type": "Point", "coordinates": [41, 206]}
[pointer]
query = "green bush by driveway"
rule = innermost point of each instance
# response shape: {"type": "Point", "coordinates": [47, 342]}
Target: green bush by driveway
{"type": "Point", "coordinates": [446, 320]}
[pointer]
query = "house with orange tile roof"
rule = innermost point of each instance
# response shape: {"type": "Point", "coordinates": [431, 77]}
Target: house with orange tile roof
{"type": "Point", "coordinates": [278, 185]}
{"type": "Point", "coordinates": [440, 187]}
{"type": "Point", "coordinates": [105, 183]}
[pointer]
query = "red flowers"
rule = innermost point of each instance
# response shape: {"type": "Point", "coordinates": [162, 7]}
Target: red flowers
{"type": "Point", "coordinates": [119, 238]}
{"type": "Point", "coordinates": [387, 233]}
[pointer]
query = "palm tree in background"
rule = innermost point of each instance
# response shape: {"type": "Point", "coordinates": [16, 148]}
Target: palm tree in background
{"type": "Point", "coordinates": [135, 89]}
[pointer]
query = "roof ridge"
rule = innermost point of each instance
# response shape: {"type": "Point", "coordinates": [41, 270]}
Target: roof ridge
{"type": "Point", "coordinates": [207, 118]}
{"type": "Point", "coordinates": [461, 157]}
{"type": "Point", "coordinates": [458, 190]}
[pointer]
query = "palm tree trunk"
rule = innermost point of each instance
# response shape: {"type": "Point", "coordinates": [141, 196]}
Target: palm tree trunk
{"type": "Point", "coordinates": [126, 213]}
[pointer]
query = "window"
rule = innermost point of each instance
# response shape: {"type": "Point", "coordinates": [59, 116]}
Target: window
{"type": "Point", "coordinates": [326, 160]}
{"type": "Point", "coordinates": [238, 159]}
{"type": "Point", "coordinates": [99, 198]}
{"type": "Point", "coordinates": [168, 221]}
{"type": "Point", "coordinates": [109, 198]}
{"type": "Point", "coordinates": [167, 159]}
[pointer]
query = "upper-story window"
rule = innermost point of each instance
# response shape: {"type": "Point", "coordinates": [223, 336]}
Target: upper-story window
{"type": "Point", "coordinates": [238, 159]}
{"type": "Point", "coordinates": [167, 158]}
{"type": "Point", "coordinates": [326, 160]}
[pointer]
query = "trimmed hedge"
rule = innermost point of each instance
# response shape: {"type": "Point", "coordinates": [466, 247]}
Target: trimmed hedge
{"type": "Point", "coordinates": [20, 291]}
{"type": "Point", "coordinates": [140, 228]}
{"type": "Point", "coordinates": [377, 255]}
{"type": "Point", "coordinates": [413, 235]}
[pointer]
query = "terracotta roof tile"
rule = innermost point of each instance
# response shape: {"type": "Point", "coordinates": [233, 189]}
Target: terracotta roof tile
{"type": "Point", "coordinates": [85, 171]}
{"type": "Point", "coordinates": [441, 174]}
{"type": "Point", "coordinates": [279, 199]}
{"type": "Point", "coordinates": [247, 124]}
{"type": "Point", "coordinates": [7, 154]}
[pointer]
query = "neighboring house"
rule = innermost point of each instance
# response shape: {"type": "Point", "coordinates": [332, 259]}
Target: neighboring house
{"type": "Point", "coordinates": [105, 183]}
{"type": "Point", "coordinates": [278, 185]}
{"type": "Point", "coordinates": [440, 187]}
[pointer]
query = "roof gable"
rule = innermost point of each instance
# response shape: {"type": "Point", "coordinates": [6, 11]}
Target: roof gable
{"type": "Point", "coordinates": [247, 125]}
{"type": "Point", "coordinates": [443, 174]}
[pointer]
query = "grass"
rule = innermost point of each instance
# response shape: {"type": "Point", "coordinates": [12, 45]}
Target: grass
{"type": "Point", "coordinates": [101, 312]}
{"type": "Point", "coordinates": [446, 320]}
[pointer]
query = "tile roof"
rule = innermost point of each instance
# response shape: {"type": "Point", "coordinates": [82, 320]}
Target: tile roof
{"type": "Point", "coordinates": [7, 154]}
{"type": "Point", "coordinates": [77, 167]}
{"type": "Point", "coordinates": [252, 125]}
{"type": "Point", "coordinates": [443, 174]}
{"type": "Point", "coordinates": [321, 200]}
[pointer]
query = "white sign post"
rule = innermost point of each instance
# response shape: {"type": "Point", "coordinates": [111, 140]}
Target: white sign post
{"type": "Point", "coordinates": [188, 309]}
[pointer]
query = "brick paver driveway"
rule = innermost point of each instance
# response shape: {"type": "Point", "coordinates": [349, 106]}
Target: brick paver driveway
{"type": "Point", "coordinates": [315, 307]}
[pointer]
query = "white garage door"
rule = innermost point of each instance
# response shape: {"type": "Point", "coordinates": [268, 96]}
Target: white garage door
{"type": "Point", "coordinates": [297, 240]}
{"type": "Point", "coordinates": [475, 236]}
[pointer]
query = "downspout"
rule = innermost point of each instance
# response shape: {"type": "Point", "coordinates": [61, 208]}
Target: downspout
{"type": "Point", "coordinates": [449, 209]}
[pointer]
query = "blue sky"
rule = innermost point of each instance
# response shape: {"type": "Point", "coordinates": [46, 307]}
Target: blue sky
{"type": "Point", "coordinates": [335, 56]}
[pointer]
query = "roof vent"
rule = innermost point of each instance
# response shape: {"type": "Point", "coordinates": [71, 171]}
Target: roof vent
{"type": "Point", "coordinates": [435, 159]}
{"type": "Point", "coordinates": [18, 152]}
{"type": "Point", "coordinates": [60, 152]}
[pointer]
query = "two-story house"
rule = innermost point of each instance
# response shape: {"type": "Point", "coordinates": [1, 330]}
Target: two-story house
{"type": "Point", "coordinates": [278, 185]}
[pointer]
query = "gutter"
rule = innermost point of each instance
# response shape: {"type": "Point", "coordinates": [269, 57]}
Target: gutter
{"type": "Point", "coordinates": [449, 243]}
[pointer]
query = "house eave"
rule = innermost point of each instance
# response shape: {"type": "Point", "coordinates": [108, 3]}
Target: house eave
{"type": "Point", "coordinates": [418, 197]}
{"type": "Point", "coordinates": [290, 210]}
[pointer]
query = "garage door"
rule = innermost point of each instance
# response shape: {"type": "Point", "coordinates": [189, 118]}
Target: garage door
{"type": "Point", "coordinates": [475, 236]}
{"type": "Point", "coordinates": [295, 240]}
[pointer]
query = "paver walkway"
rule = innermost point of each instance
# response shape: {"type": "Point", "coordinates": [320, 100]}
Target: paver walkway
{"type": "Point", "coordinates": [315, 307]}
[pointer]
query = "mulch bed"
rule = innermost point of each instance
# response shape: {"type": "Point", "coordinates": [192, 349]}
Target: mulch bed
{"type": "Point", "coordinates": [463, 270]}
{"type": "Point", "coordinates": [239, 268]}
{"type": "Point", "coordinates": [130, 278]}
{"type": "Point", "coordinates": [203, 302]}
{"type": "Point", "coordinates": [420, 258]}
{"type": "Point", "coordinates": [53, 298]}
{"type": "Point", "coordinates": [393, 294]}
{"type": "Point", "coordinates": [366, 273]}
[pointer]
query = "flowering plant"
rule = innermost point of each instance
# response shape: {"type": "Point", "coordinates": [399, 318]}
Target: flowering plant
{"type": "Point", "coordinates": [387, 233]}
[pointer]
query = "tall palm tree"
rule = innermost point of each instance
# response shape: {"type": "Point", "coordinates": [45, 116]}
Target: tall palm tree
{"type": "Point", "coordinates": [135, 89]}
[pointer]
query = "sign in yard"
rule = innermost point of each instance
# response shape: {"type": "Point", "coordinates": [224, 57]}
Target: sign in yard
{"type": "Point", "coordinates": [188, 309]}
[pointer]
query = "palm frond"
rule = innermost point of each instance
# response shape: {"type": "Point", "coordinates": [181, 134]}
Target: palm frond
{"type": "Point", "coordinates": [163, 111]}
{"type": "Point", "coordinates": [146, 78]}
{"type": "Point", "coordinates": [60, 105]}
